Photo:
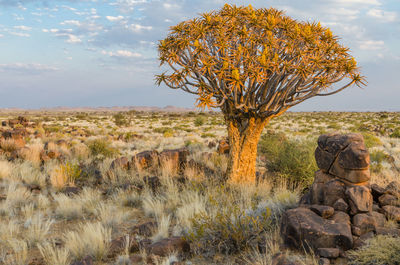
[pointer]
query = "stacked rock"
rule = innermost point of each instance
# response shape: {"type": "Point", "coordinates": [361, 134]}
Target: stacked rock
{"type": "Point", "coordinates": [341, 209]}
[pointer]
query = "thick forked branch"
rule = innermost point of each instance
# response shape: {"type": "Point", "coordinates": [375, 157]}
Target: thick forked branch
{"type": "Point", "coordinates": [255, 62]}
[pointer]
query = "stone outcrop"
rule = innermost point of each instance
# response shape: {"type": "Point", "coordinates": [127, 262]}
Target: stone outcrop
{"type": "Point", "coordinates": [341, 210]}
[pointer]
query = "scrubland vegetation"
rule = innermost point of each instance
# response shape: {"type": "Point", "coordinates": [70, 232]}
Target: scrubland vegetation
{"type": "Point", "coordinates": [63, 200]}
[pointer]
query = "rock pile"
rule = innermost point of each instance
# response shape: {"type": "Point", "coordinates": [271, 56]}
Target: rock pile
{"type": "Point", "coordinates": [341, 209]}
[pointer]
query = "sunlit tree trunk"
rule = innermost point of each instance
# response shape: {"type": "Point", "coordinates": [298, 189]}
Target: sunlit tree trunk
{"type": "Point", "coordinates": [243, 139]}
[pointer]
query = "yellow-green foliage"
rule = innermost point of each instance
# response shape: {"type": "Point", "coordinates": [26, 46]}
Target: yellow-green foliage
{"type": "Point", "coordinates": [380, 250]}
{"type": "Point", "coordinates": [102, 147]}
{"type": "Point", "coordinates": [229, 230]}
{"type": "Point", "coordinates": [291, 159]}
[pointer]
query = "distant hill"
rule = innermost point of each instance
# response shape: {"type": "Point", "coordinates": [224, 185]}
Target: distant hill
{"type": "Point", "coordinates": [101, 109]}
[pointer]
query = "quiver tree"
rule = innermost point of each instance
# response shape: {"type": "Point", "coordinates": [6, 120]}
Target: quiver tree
{"type": "Point", "coordinates": [253, 64]}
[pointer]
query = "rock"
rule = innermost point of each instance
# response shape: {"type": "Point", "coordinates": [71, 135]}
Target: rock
{"type": "Point", "coordinates": [121, 162]}
{"type": "Point", "coordinates": [341, 205]}
{"type": "Point", "coordinates": [395, 232]}
{"type": "Point", "coordinates": [302, 227]}
{"type": "Point", "coordinates": [388, 199]}
{"type": "Point", "coordinates": [328, 252]}
{"type": "Point", "coordinates": [136, 259]}
{"type": "Point", "coordinates": [333, 190]}
{"type": "Point", "coordinates": [353, 176]}
{"type": "Point", "coordinates": [329, 145]}
{"type": "Point", "coordinates": [305, 199]}
{"type": "Point", "coordinates": [88, 260]}
{"type": "Point", "coordinates": [377, 191]}
{"type": "Point", "coordinates": [177, 157]}
{"type": "Point", "coordinates": [355, 230]}
{"type": "Point", "coordinates": [223, 147]}
{"type": "Point", "coordinates": [117, 245]}
{"type": "Point", "coordinates": [392, 212]}
{"type": "Point", "coordinates": [167, 246]}
{"type": "Point", "coordinates": [380, 219]}
{"type": "Point", "coordinates": [340, 261]}
{"type": "Point", "coordinates": [153, 182]}
{"type": "Point", "coordinates": [145, 159]}
{"type": "Point", "coordinates": [322, 210]}
{"type": "Point", "coordinates": [341, 217]}
{"type": "Point", "coordinates": [282, 259]}
{"type": "Point", "coordinates": [354, 157]}
{"type": "Point", "coordinates": [376, 208]}
{"type": "Point", "coordinates": [212, 144]}
{"type": "Point", "coordinates": [146, 229]}
{"type": "Point", "coordinates": [360, 199]}
{"type": "Point", "coordinates": [393, 188]}
{"type": "Point", "coordinates": [4, 123]}
{"type": "Point", "coordinates": [365, 222]}
{"type": "Point", "coordinates": [359, 242]}
{"type": "Point", "coordinates": [324, 261]}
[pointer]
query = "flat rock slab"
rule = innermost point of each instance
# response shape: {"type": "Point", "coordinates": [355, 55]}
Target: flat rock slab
{"type": "Point", "coordinates": [302, 227]}
{"type": "Point", "coordinates": [360, 199]}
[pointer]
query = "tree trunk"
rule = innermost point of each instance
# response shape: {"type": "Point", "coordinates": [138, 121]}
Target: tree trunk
{"type": "Point", "coordinates": [243, 141]}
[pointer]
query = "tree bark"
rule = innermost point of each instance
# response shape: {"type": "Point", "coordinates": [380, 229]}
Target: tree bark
{"type": "Point", "coordinates": [243, 141]}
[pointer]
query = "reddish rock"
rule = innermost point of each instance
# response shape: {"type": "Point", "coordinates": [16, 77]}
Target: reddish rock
{"type": "Point", "coordinates": [360, 241]}
{"type": "Point", "coordinates": [121, 162]}
{"type": "Point", "coordinates": [223, 147]}
{"type": "Point", "coordinates": [393, 188]}
{"type": "Point", "coordinates": [392, 212]}
{"type": "Point", "coordinates": [365, 222]}
{"type": "Point", "coordinates": [388, 199]}
{"type": "Point", "coordinates": [153, 182]}
{"type": "Point", "coordinates": [377, 191]}
{"type": "Point", "coordinates": [332, 191]}
{"type": "Point", "coordinates": [146, 229]}
{"type": "Point", "coordinates": [341, 217]}
{"type": "Point", "coordinates": [88, 260]}
{"type": "Point", "coordinates": [328, 252]}
{"type": "Point", "coordinates": [167, 246]}
{"type": "Point", "coordinates": [324, 261]}
{"type": "Point", "coordinates": [177, 157]}
{"type": "Point", "coordinates": [322, 210]}
{"type": "Point", "coordinates": [360, 199]}
{"type": "Point", "coordinates": [341, 205]}
{"type": "Point", "coordinates": [354, 157]}
{"type": "Point", "coordinates": [395, 232]}
{"type": "Point", "coordinates": [145, 159]}
{"type": "Point", "coordinates": [380, 219]}
{"type": "Point", "coordinates": [302, 227]}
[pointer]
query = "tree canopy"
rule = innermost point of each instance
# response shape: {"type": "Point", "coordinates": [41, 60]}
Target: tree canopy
{"type": "Point", "coordinates": [255, 62]}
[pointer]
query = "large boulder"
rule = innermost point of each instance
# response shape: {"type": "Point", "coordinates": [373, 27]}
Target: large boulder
{"type": "Point", "coordinates": [344, 156]}
{"type": "Point", "coordinates": [177, 158]}
{"type": "Point", "coordinates": [145, 159]}
{"type": "Point", "coordinates": [302, 227]}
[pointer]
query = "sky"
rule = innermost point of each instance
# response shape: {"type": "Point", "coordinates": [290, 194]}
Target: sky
{"type": "Point", "coordinates": [103, 52]}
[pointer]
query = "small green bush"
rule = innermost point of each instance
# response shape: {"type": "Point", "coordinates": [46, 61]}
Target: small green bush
{"type": "Point", "coordinates": [395, 133]}
{"type": "Point", "coordinates": [291, 159]}
{"type": "Point", "coordinates": [102, 147]}
{"type": "Point", "coordinates": [199, 121]}
{"type": "Point", "coordinates": [120, 120]}
{"type": "Point", "coordinates": [228, 231]}
{"type": "Point", "coordinates": [380, 250]}
{"type": "Point", "coordinates": [371, 140]}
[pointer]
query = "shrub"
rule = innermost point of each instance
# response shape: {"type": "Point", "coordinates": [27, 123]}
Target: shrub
{"type": "Point", "coordinates": [371, 140]}
{"type": "Point", "coordinates": [291, 159]}
{"type": "Point", "coordinates": [102, 147]}
{"type": "Point", "coordinates": [65, 174]}
{"type": "Point", "coordinates": [120, 120]}
{"type": "Point", "coordinates": [395, 133]}
{"type": "Point", "coordinates": [199, 121]}
{"type": "Point", "coordinates": [377, 157]}
{"type": "Point", "coordinates": [380, 250]}
{"type": "Point", "coordinates": [229, 230]}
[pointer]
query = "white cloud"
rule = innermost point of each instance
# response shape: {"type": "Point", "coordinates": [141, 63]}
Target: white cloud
{"type": "Point", "coordinates": [138, 27]}
{"type": "Point", "coordinates": [358, 2]}
{"type": "Point", "coordinates": [343, 13]}
{"type": "Point", "coordinates": [113, 19]}
{"type": "Point", "coordinates": [385, 16]}
{"type": "Point", "coordinates": [69, 8]}
{"type": "Point", "coordinates": [73, 39]}
{"type": "Point", "coordinates": [71, 22]}
{"type": "Point", "coordinates": [122, 54]}
{"type": "Point", "coordinates": [1, 35]}
{"type": "Point", "coordinates": [372, 45]}
{"type": "Point", "coordinates": [22, 27]}
{"type": "Point", "coordinates": [27, 68]}
{"type": "Point", "coordinates": [20, 34]}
